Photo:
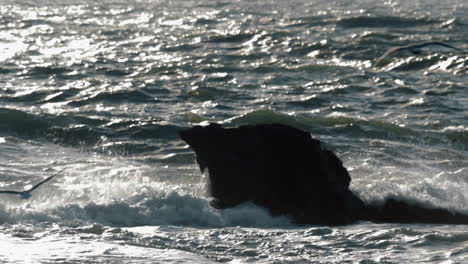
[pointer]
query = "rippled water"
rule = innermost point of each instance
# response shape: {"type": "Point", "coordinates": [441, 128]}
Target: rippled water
{"type": "Point", "coordinates": [98, 90]}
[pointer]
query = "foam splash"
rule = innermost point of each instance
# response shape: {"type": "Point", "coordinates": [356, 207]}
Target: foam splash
{"type": "Point", "coordinates": [160, 204]}
{"type": "Point", "coordinates": [445, 189]}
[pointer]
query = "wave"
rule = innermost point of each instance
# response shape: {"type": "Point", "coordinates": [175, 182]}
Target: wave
{"type": "Point", "coordinates": [414, 63]}
{"type": "Point", "coordinates": [147, 207]}
{"type": "Point", "coordinates": [131, 136]}
{"type": "Point", "coordinates": [44, 72]}
{"type": "Point", "coordinates": [80, 131]}
{"type": "Point", "coordinates": [334, 126]}
{"type": "Point", "coordinates": [231, 38]}
{"type": "Point", "coordinates": [448, 61]}
{"type": "Point", "coordinates": [115, 97]}
{"type": "Point", "coordinates": [172, 205]}
{"type": "Point", "coordinates": [20, 122]}
{"type": "Point", "coordinates": [323, 125]}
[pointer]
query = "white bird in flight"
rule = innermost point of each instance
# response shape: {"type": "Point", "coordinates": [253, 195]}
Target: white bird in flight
{"type": "Point", "coordinates": [412, 47]}
{"type": "Point", "coordinates": [27, 193]}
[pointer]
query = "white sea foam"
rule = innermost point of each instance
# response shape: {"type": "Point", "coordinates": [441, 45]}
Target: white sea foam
{"type": "Point", "coordinates": [455, 128]}
{"type": "Point", "coordinates": [430, 187]}
{"type": "Point", "coordinates": [74, 249]}
{"type": "Point", "coordinates": [157, 205]}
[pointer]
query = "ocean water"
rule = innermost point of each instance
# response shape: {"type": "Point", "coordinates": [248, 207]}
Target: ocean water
{"type": "Point", "coordinates": [97, 91]}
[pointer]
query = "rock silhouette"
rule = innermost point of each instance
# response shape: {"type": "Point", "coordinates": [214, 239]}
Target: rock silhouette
{"type": "Point", "coordinates": [283, 169]}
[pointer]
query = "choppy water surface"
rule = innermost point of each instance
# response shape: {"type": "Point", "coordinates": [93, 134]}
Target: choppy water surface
{"type": "Point", "coordinates": [99, 90]}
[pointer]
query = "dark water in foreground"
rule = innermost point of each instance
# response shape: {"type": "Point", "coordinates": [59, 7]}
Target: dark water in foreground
{"type": "Point", "coordinates": [100, 89]}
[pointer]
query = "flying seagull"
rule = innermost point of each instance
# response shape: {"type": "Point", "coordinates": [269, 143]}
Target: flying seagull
{"type": "Point", "coordinates": [412, 48]}
{"type": "Point", "coordinates": [27, 193]}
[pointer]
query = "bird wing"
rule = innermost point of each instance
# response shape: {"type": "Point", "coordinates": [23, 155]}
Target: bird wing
{"type": "Point", "coordinates": [435, 43]}
{"type": "Point", "coordinates": [11, 192]}
{"type": "Point", "coordinates": [387, 53]}
{"type": "Point", "coordinates": [40, 183]}
{"type": "Point", "coordinates": [413, 46]}
{"type": "Point", "coordinates": [26, 193]}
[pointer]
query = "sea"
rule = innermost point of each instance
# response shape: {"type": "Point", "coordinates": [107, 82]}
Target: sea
{"type": "Point", "coordinates": [95, 93]}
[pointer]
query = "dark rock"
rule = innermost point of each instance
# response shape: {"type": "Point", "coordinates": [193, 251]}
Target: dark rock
{"type": "Point", "coordinates": [397, 211]}
{"type": "Point", "coordinates": [275, 166]}
{"type": "Point", "coordinates": [284, 170]}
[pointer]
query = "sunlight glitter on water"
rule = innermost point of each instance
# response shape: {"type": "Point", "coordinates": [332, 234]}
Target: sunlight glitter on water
{"type": "Point", "coordinates": [87, 250]}
{"type": "Point", "coordinates": [100, 89]}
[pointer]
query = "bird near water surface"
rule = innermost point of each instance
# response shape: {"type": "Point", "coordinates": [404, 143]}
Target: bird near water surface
{"type": "Point", "coordinates": [413, 48]}
{"type": "Point", "coordinates": [27, 193]}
